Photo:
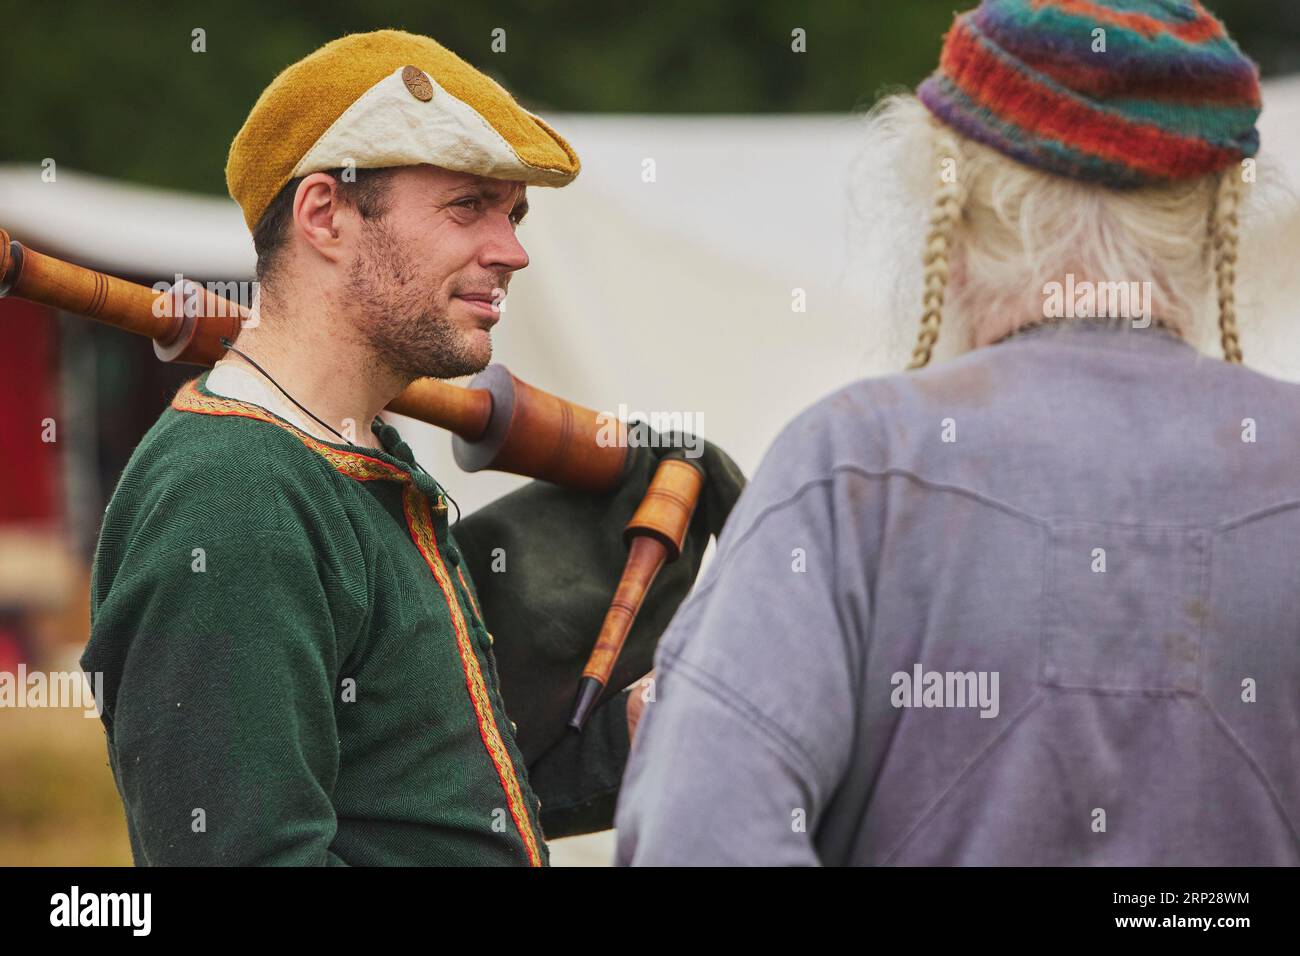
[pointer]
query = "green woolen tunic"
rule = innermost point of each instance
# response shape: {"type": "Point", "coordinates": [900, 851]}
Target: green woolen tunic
{"type": "Point", "coordinates": [295, 668]}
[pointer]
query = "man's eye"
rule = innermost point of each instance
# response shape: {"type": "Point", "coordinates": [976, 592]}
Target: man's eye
{"type": "Point", "coordinates": [470, 202]}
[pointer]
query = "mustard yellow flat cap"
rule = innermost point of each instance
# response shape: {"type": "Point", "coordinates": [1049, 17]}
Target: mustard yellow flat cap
{"type": "Point", "coordinates": [388, 98]}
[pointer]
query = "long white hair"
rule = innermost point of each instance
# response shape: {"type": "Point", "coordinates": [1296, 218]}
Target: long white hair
{"type": "Point", "coordinates": [995, 232]}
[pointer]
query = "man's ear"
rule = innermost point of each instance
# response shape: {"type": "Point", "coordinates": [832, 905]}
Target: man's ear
{"type": "Point", "coordinates": [318, 214]}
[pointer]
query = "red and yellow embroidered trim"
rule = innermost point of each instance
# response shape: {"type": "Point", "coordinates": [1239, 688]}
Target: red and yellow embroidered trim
{"type": "Point", "coordinates": [353, 464]}
{"type": "Point", "coordinates": [419, 520]}
{"type": "Point", "coordinates": [469, 593]}
{"type": "Point", "coordinates": [421, 524]}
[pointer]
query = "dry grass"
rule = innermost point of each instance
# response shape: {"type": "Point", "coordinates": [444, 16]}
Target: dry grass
{"type": "Point", "coordinates": [58, 803]}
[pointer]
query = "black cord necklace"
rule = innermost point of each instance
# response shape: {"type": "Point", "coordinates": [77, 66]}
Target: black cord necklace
{"type": "Point", "coordinates": [231, 346]}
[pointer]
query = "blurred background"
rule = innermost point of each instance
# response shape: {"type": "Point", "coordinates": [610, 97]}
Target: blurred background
{"type": "Point", "coordinates": [668, 294]}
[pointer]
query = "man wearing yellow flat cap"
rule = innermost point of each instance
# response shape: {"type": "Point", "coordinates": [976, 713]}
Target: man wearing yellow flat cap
{"type": "Point", "coordinates": [382, 178]}
{"type": "Point", "coordinates": [297, 669]}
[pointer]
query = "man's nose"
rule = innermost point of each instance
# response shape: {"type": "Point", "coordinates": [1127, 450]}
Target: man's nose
{"type": "Point", "coordinates": [503, 251]}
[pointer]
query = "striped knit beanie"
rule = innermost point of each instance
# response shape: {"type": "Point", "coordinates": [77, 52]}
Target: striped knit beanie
{"type": "Point", "coordinates": [1117, 92]}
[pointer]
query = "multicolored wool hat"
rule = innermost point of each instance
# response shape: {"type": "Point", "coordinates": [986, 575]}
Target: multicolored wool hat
{"type": "Point", "coordinates": [1118, 92]}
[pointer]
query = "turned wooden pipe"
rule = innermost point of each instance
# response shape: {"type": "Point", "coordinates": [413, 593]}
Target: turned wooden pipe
{"type": "Point", "coordinates": [499, 422]}
{"type": "Point", "coordinates": [655, 536]}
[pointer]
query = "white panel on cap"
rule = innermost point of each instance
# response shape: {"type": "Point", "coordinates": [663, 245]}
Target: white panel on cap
{"type": "Point", "coordinates": [387, 126]}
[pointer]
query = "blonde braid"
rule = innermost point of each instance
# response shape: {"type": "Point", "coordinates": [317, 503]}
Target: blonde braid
{"type": "Point", "coordinates": [1223, 239]}
{"type": "Point", "coordinates": [944, 216]}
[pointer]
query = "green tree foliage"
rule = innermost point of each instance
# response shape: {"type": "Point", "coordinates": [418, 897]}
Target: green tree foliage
{"type": "Point", "coordinates": [117, 90]}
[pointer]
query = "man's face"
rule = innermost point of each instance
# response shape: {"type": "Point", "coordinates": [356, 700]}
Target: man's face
{"type": "Point", "coordinates": [430, 274]}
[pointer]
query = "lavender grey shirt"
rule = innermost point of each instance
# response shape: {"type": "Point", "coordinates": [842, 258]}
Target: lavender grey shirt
{"type": "Point", "coordinates": [1039, 605]}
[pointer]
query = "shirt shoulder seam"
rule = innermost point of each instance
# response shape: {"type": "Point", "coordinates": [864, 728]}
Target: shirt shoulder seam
{"type": "Point", "coordinates": [738, 704]}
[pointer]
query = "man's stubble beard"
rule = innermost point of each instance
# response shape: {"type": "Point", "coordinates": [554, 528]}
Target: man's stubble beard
{"type": "Point", "coordinates": [403, 323]}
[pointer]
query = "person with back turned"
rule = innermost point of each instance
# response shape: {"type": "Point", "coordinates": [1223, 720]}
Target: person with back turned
{"type": "Point", "coordinates": [1038, 603]}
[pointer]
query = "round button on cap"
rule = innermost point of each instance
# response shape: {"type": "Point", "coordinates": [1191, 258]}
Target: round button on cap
{"type": "Point", "coordinates": [417, 83]}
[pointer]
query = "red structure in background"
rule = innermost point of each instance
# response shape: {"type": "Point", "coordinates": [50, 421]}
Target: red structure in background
{"type": "Point", "coordinates": [30, 479]}
{"type": "Point", "coordinates": [29, 467]}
